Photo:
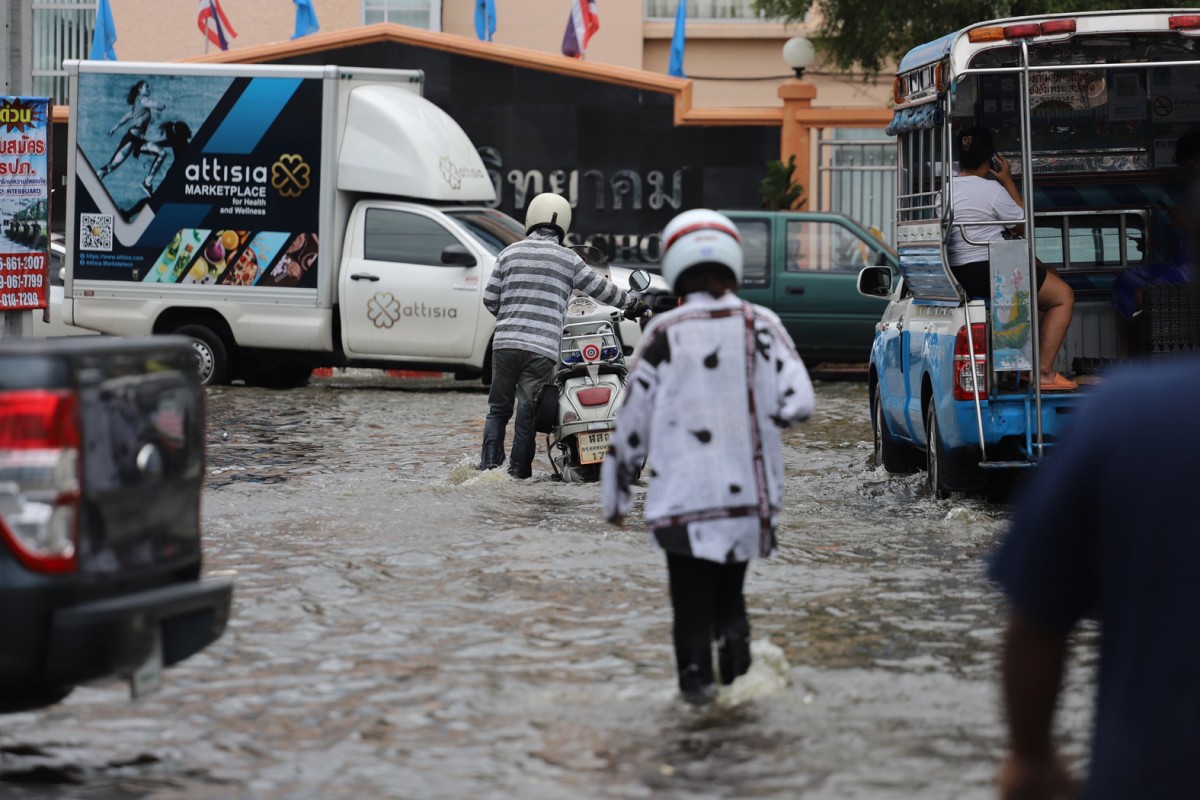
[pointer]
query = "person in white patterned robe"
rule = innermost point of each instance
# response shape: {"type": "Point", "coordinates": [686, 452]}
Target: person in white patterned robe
{"type": "Point", "coordinates": [712, 384]}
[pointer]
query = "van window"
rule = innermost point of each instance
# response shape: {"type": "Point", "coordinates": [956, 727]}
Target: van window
{"type": "Point", "coordinates": [405, 238]}
{"type": "Point", "coordinates": [756, 250]}
{"type": "Point", "coordinates": [825, 246]}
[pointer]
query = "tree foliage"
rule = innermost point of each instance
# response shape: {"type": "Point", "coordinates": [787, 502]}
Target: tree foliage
{"type": "Point", "coordinates": [871, 35]}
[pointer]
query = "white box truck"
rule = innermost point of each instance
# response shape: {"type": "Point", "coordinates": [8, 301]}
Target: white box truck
{"type": "Point", "coordinates": [283, 217]}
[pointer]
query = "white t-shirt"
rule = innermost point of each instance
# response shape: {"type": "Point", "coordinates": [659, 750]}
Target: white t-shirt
{"type": "Point", "coordinates": [979, 200]}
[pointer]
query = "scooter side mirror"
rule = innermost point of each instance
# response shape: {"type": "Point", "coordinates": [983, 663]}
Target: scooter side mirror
{"type": "Point", "coordinates": [639, 280]}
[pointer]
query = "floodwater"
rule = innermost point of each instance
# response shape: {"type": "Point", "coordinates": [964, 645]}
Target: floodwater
{"type": "Point", "coordinates": [405, 627]}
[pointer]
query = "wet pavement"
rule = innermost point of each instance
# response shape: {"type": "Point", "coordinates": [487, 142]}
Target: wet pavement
{"type": "Point", "coordinates": [405, 627]}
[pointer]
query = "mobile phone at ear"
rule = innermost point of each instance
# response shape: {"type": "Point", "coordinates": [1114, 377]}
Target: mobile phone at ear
{"type": "Point", "coordinates": [994, 163]}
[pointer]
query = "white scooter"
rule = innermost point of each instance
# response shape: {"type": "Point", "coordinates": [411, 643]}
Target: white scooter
{"type": "Point", "coordinates": [589, 384]}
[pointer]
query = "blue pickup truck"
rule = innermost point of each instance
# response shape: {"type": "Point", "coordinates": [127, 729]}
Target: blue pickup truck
{"type": "Point", "coordinates": [948, 373]}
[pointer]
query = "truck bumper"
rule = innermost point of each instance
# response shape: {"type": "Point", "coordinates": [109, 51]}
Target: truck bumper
{"type": "Point", "coordinates": [1010, 423]}
{"type": "Point", "coordinates": [112, 637]}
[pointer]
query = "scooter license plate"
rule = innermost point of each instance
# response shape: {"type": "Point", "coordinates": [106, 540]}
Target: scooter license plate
{"type": "Point", "coordinates": [593, 446]}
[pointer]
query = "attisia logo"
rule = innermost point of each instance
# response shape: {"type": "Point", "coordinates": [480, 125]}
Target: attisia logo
{"type": "Point", "coordinates": [384, 310]}
{"type": "Point", "coordinates": [290, 175]}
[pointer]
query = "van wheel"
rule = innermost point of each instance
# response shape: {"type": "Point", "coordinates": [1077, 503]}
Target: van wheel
{"type": "Point", "coordinates": [212, 357]}
{"type": "Point", "coordinates": [939, 466]}
{"type": "Point", "coordinates": [890, 454]}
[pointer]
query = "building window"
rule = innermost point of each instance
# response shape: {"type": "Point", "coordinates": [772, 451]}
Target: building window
{"type": "Point", "coordinates": [62, 29]}
{"type": "Point", "coordinates": [703, 10]}
{"type": "Point", "coordinates": [416, 13]}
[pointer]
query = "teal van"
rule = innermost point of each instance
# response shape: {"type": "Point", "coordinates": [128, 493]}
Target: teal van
{"type": "Point", "coordinates": [804, 266]}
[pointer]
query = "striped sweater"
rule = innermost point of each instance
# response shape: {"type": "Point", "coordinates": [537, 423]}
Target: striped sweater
{"type": "Point", "coordinates": [529, 290]}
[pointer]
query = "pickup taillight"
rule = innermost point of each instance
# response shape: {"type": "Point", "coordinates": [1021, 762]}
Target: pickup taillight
{"type": "Point", "coordinates": [39, 477]}
{"type": "Point", "coordinates": [964, 376]}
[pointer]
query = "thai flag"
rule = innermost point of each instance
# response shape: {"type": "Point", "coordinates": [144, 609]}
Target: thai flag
{"type": "Point", "coordinates": [211, 12]}
{"type": "Point", "coordinates": [583, 23]}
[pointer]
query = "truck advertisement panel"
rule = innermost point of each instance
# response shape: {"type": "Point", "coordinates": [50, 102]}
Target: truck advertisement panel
{"type": "Point", "coordinates": [198, 179]}
{"type": "Point", "coordinates": [24, 201]}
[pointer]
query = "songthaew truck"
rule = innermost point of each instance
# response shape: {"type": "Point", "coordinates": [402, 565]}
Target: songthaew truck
{"type": "Point", "coordinates": [282, 217]}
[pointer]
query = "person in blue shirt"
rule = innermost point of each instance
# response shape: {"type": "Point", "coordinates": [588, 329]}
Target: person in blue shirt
{"type": "Point", "coordinates": [1108, 528]}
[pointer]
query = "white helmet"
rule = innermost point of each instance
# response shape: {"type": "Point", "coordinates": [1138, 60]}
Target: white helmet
{"type": "Point", "coordinates": [700, 236]}
{"type": "Point", "coordinates": [551, 210]}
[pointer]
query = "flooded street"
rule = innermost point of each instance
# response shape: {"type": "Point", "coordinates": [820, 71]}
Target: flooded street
{"type": "Point", "coordinates": [405, 627]}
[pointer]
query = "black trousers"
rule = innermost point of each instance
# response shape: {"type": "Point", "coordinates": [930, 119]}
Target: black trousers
{"type": "Point", "coordinates": [709, 606]}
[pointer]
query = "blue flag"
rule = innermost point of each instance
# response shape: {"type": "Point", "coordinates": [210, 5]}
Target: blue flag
{"type": "Point", "coordinates": [306, 19]}
{"type": "Point", "coordinates": [485, 19]}
{"type": "Point", "coordinates": [105, 34]}
{"type": "Point", "coordinates": [676, 67]}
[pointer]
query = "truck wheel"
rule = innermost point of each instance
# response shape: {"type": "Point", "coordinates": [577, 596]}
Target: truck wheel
{"type": "Point", "coordinates": [285, 376]}
{"type": "Point", "coordinates": [890, 454]}
{"type": "Point", "coordinates": [939, 466]}
{"type": "Point", "coordinates": [212, 356]}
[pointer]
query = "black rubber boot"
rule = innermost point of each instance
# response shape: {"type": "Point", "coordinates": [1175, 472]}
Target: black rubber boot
{"type": "Point", "coordinates": [696, 674]}
{"type": "Point", "coordinates": [492, 454]}
{"type": "Point", "coordinates": [733, 651]}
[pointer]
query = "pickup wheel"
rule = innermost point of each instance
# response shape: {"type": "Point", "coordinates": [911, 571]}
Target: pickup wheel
{"type": "Point", "coordinates": [939, 466]}
{"type": "Point", "coordinates": [212, 356]}
{"type": "Point", "coordinates": [890, 454]}
{"type": "Point", "coordinates": [28, 698]}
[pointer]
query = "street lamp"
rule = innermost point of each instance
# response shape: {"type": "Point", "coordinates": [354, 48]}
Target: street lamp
{"type": "Point", "coordinates": [798, 54]}
{"type": "Point", "coordinates": [797, 94]}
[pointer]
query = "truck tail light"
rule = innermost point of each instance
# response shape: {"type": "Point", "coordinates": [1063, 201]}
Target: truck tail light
{"type": "Point", "coordinates": [594, 396]}
{"type": "Point", "coordinates": [1024, 30]}
{"type": "Point", "coordinates": [965, 377]}
{"type": "Point", "coordinates": [39, 477]}
{"type": "Point", "coordinates": [1184, 22]}
{"type": "Point", "coordinates": [1057, 26]}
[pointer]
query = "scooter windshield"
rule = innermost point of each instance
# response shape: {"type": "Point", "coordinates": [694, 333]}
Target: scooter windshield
{"type": "Point", "coordinates": [594, 257]}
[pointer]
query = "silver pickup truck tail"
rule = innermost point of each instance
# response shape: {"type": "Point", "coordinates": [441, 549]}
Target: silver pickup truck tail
{"type": "Point", "coordinates": [101, 471]}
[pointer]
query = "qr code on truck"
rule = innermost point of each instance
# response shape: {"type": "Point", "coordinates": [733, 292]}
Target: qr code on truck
{"type": "Point", "coordinates": [95, 231]}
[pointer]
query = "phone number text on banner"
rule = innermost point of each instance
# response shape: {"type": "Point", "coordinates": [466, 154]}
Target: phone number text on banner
{"type": "Point", "coordinates": [22, 281]}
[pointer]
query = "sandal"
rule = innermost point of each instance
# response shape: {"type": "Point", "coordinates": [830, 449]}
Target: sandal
{"type": "Point", "coordinates": [1058, 384]}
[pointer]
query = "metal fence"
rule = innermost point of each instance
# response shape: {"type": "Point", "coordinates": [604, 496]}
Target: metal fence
{"type": "Point", "coordinates": [856, 176]}
{"type": "Point", "coordinates": [61, 29]}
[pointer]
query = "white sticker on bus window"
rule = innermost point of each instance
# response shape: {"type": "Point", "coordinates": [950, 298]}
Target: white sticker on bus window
{"type": "Point", "coordinates": [1127, 100]}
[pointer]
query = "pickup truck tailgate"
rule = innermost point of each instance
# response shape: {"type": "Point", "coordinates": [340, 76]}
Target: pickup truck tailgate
{"type": "Point", "coordinates": [140, 418]}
